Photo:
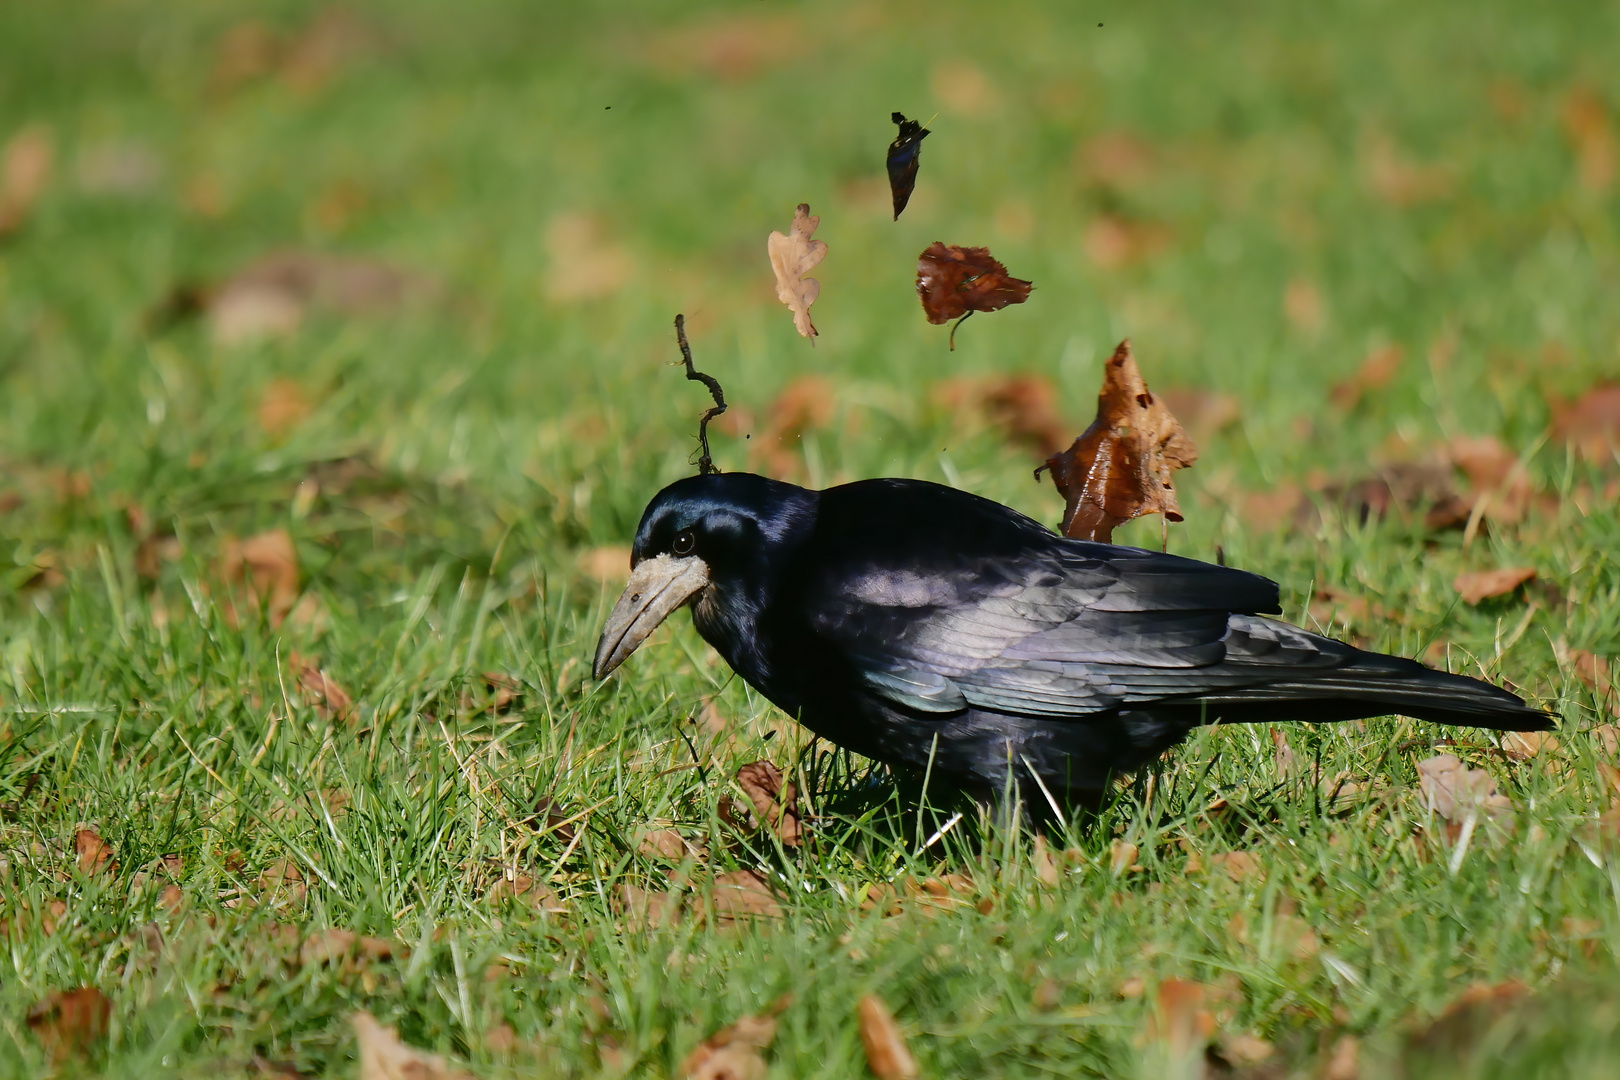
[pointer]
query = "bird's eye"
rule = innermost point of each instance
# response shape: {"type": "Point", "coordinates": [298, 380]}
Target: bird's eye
{"type": "Point", "coordinates": [684, 542]}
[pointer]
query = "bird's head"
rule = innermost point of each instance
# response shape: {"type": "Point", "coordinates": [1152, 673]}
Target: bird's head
{"type": "Point", "coordinates": [711, 540]}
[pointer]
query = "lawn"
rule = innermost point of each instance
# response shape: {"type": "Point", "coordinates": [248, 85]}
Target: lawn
{"type": "Point", "coordinates": [302, 563]}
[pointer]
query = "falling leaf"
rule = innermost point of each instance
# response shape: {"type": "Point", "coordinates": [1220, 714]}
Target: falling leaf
{"type": "Point", "coordinates": [1591, 135]}
{"type": "Point", "coordinates": [268, 565]}
{"type": "Point", "coordinates": [1591, 423]}
{"type": "Point", "coordinates": [1377, 371]}
{"type": "Point", "coordinates": [775, 803]}
{"type": "Point", "coordinates": [792, 257]}
{"type": "Point", "coordinates": [736, 1052]}
{"type": "Point", "coordinates": [1455, 791]}
{"type": "Point", "coordinates": [743, 895]}
{"type": "Point", "coordinates": [70, 1022]}
{"type": "Point", "coordinates": [887, 1054]}
{"type": "Point", "coordinates": [384, 1057]}
{"type": "Point", "coordinates": [953, 282]}
{"type": "Point", "coordinates": [1480, 585]}
{"type": "Point", "coordinates": [319, 690]}
{"type": "Point", "coordinates": [25, 170]}
{"type": "Point", "coordinates": [1180, 1023]}
{"type": "Point", "coordinates": [95, 854]}
{"type": "Point", "coordinates": [1120, 467]}
{"type": "Point", "coordinates": [904, 155]}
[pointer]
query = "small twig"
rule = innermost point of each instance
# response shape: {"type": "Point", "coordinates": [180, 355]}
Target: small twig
{"type": "Point", "coordinates": [954, 325]}
{"type": "Point", "coordinates": [705, 463]}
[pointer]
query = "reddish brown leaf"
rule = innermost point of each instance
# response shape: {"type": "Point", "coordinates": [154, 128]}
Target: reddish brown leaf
{"type": "Point", "coordinates": [792, 257]}
{"type": "Point", "coordinates": [1480, 585]}
{"type": "Point", "coordinates": [26, 164]}
{"type": "Point", "coordinates": [1591, 423]}
{"type": "Point", "coordinates": [669, 844]}
{"type": "Point", "coordinates": [1524, 745]}
{"type": "Point", "coordinates": [647, 909]}
{"type": "Point", "coordinates": [1238, 865]}
{"type": "Point", "coordinates": [384, 1057]}
{"type": "Point", "coordinates": [1377, 371]}
{"type": "Point", "coordinates": [887, 1054]}
{"type": "Point", "coordinates": [953, 282]}
{"type": "Point", "coordinates": [1180, 1023]}
{"type": "Point", "coordinates": [1467, 1021]}
{"type": "Point", "coordinates": [735, 1052]}
{"type": "Point", "coordinates": [805, 404]}
{"type": "Point", "coordinates": [70, 1022]}
{"type": "Point", "coordinates": [775, 803]}
{"type": "Point", "coordinates": [523, 889]}
{"type": "Point", "coordinates": [95, 854]}
{"type": "Point", "coordinates": [268, 565]}
{"type": "Point", "coordinates": [743, 895]}
{"type": "Point", "coordinates": [320, 690]}
{"type": "Point", "coordinates": [1120, 468]}
{"type": "Point", "coordinates": [1590, 668]}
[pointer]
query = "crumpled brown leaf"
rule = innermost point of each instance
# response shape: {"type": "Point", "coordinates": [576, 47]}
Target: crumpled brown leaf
{"type": "Point", "coordinates": [953, 282]}
{"type": "Point", "coordinates": [268, 565]}
{"type": "Point", "coordinates": [319, 689]}
{"type": "Point", "coordinates": [735, 1052]}
{"type": "Point", "coordinates": [1377, 371]}
{"type": "Point", "coordinates": [1181, 1025]}
{"type": "Point", "coordinates": [1479, 585]}
{"type": "Point", "coordinates": [792, 257]}
{"type": "Point", "coordinates": [887, 1054]}
{"type": "Point", "coordinates": [1455, 791]}
{"type": "Point", "coordinates": [95, 854]}
{"type": "Point", "coordinates": [742, 895]}
{"type": "Point", "coordinates": [384, 1057]}
{"type": "Point", "coordinates": [70, 1022]}
{"type": "Point", "coordinates": [1591, 423]}
{"type": "Point", "coordinates": [775, 803]}
{"type": "Point", "coordinates": [1120, 467]}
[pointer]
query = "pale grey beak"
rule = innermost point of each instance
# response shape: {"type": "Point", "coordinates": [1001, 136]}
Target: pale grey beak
{"type": "Point", "coordinates": [656, 588]}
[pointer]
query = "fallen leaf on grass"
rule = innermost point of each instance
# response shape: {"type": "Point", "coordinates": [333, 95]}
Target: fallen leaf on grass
{"type": "Point", "coordinates": [805, 404]}
{"type": "Point", "coordinates": [1499, 479]}
{"type": "Point", "coordinates": [1238, 865]}
{"type": "Point", "coordinates": [647, 909]}
{"type": "Point", "coordinates": [334, 946]}
{"type": "Point", "coordinates": [1023, 407]}
{"type": "Point", "coordinates": [1344, 1063]}
{"type": "Point", "coordinates": [384, 1057]}
{"type": "Point", "coordinates": [95, 854]}
{"type": "Point", "coordinates": [586, 262]}
{"type": "Point", "coordinates": [609, 564]}
{"type": "Point", "coordinates": [1120, 467]}
{"type": "Point", "coordinates": [319, 690]}
{"type": "Point", "coordinates": [1114, 241]}
{"type": "Point", "coordinates": [1456, 791]}
{"type": "Point", "coordinates": [1467, 1021]}
{"type": "Point", "coordinates": [669, 844]}
{"type": "Point", "coordinates": [283, 406]}
{"type": "Point", "coordinates": [1591, 423]}
{"type": "Point", "coordinates": [281, 883]}
{"type": "Point", "coordinates": [775, 803]}
{"type": "Point", "coordinates": [1524, 745]}
{"type": "Point", "coordinates": [792, 257]}
{"type": "Point", "coordinates": [954, 282]}
{"type": "Point", "coordinates": [25, 170]}
{"type": "Point", "coordinates": [268, 565]}
{"type": "Point", "coordinates": [887, 1054]}
{"type": "Point", "coordinates": [1591, 135]}
{"type": "Point", "coordinates": [70, 1022]}
{"type": "Point", "coordinates": [523, 889]}
{"type": "Point", "coordinates": [1479, 585]}
{"type": "Point", "coordinates": [507, 690]}
{"type": "Point", "coordinates": [1046, 867]}
{"type": "Point", "coordinates": [1377, 371]}
{"type": "Point", "coordinates": [743, 895]}
{"type": "Point", "coordinates": [736, 1052]}
{"type": "Point", "coordinates": [1122, 856]}
{"type": "Point", "coordinates": [1397, 179]}
{"type": "Point", "coordinates": [1590, 668]}
{"type": "Point", "coordinates": [1180, 1024]}
{"type": "Point", "coordinates": [905, 153]}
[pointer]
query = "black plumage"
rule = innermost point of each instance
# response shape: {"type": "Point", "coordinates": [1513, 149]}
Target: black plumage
{"type": "Point", "coordinates": [915, 623]}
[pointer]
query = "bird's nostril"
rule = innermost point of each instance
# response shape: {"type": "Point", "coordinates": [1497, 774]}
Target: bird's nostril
{"type": "Point", "coordinates": [634, 597]}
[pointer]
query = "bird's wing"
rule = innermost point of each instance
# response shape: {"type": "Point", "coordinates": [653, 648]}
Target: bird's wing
{"type": "Point", "coordinates": [1061, 630]}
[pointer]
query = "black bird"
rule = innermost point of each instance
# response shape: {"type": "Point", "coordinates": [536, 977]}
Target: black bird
{"type": "Point", "coordinates": [924, 626]}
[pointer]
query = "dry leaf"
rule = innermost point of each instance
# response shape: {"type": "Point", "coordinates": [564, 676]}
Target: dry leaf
{"type": "Point", "coordinates": [743, 895]}
{"type": "Point", "coordinates": [669, 844]}
{"type": "Point", "coordinates": [806, 404]}
{"type": "Point", "coordinates": [647, 909]}
{"type": "Point", "coordinates": [609, 565]}
{"type": "Point", "coordinates": [273, 295]}
{"type": "Point", "coordinates": [735, 1052]}
{"type": "Point", "coordinates": [523, 889]}
{"type": "Point", "coordinates": [1590, 668]}
{"type": "Point", "coordinates": [268, 565]}
{"type": "Point", "coordinates": [1345, 1061]}
{"type": "Point", "coordinates": [282, 407]}
{"type": "Point", "coordinates": [25, 170]}
{"type": "Point", "coordinates": [1591, 423]}
{"type": "Point", "coordinates": [95, 854]}
{"type": "Point", "coordinates": [1524, 745]}
{"type": "Point", "coordinates": [320, 691]}
{"type": "Point", "coordinates": [1046, 867]}
{"type": "Point", "coordinates": [1246, 1050]}
{"type": "Point", "coordinates": [1023, 407]}
{"type": "Point", "coordinates": [1377, 371]}
{"type": "Point", "coordinates": [1121, 856]}
{"type": "Point", "coordinates": [507, 690]}
{"type": "Point", "coordinates": [1304, 306]}
{"type": "Point", "coordinates": [1468, 1020]}
{"type": "Point", "coordinates": [775, 803]}
{"type": "Point", "coordinates": [792, 257]}
{"type": "Point", "coordinates": [1120, 467]}
{"type": "Point", "coordinates": [1398, 180]}
{"type": "Point", "coordinates": [334, 946]}
{"type": "Point", "coordinates": [1239, 865]}
{"type": "Point", "coordinates": [1479, 585]}
{"type": "Point", "coordinates": [953, 282]}
{"type": "Point", "coordinates": [70, 1022]}
{"type": "Point", "coordinates": [1114, 242]}
{"type": "Point", "coordinates": [1591, 135]}
{"type": "Point", "coordinates": [1181, 1023]}
{"type": "Point", "coordinates": [384, 1057]}
{"type": "Point", "coordinates": [282, 882]}
{"type": "Point", "coordinates": [1497, 476]}
{"type": "Point", "coordinates": [887, 1054]}
{"type": "Point", "coordinates": [1456, 791]}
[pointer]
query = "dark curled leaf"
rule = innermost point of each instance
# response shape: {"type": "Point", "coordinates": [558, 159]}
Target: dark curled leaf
{"type": "Point", "coordinates": [905, 153]}
{"type": "Point", "coordinates": [954, 282]}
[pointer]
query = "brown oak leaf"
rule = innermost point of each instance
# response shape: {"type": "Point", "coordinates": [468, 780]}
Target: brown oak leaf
{"type": "Point", "coordinates": [775, 803]}
{"type": "Point", "coordinates": [792, 257]}
{"type": "Point", "coordinates": [735, 1052]}
{"type": "Point", "coordinates": [954, 282]}
{"type": "Point", "coordinates": [1454, 790]}
{"type": "Point", "coordinates": [384, 1057]}
{"type": "Point", "coordinates": [1481, 585]}
{"type": "Point", "coordinates": [1120, 467]}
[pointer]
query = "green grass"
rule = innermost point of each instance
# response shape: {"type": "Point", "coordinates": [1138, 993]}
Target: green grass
{"type": "Point", "coordinates": [505, 428]}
